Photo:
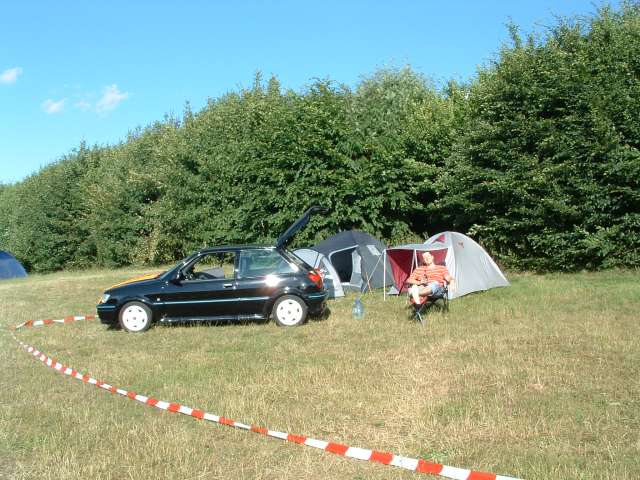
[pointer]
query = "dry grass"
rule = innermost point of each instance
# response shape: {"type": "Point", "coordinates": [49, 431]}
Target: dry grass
{"type": "Point", "coordinates": [539, 380]}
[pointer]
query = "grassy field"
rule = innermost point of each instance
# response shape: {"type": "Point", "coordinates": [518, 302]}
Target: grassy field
{"type": "Point", "coordinates": [540, 380]}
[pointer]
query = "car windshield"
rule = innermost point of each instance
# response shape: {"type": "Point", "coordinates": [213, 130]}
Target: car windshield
{"type": "Point", "coordinates": [187, 258]}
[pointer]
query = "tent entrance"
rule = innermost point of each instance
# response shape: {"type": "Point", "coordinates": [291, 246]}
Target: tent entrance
{"type": "Point", "coordinates": [343, 263]}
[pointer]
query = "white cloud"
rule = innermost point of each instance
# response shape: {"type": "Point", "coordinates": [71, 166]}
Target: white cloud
{"type": "Point", "coordinates": [83, 105]}
{"type": "Point", "coordinates": [10, 75]}
{"type": "Point", "coordinates": [111, 98]}
{"type": "Point", "coordinates": [52, 106]}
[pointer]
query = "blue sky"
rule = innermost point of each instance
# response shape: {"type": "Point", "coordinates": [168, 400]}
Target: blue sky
{"type": "Point", "coordinates": [92, 71]}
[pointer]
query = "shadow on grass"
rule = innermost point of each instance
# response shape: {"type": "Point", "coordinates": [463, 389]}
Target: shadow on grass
{"type": "Point", "coordinates": [223, 323]}
{"type": "Point", "coordinates": [435, 310]}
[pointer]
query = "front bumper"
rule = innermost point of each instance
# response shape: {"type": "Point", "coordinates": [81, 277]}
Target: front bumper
{"type": "Point", "coordinates": [107, 313]}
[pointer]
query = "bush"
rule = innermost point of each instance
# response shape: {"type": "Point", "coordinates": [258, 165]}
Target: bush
{"type": "Point", "coordinates": [547, 171]}
{"type": "Point", "coordinates": [538, 158]}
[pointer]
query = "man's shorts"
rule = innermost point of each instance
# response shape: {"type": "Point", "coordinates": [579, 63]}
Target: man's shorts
{"type": "Point", "coordinates": [436, 289]}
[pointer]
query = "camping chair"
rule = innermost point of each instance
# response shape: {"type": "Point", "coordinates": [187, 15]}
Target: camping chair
{"type": "Point", "coordinates": [419, 310]}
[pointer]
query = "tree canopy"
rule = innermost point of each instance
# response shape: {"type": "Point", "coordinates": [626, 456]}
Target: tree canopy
{"type": "Point", "coordinates": [537, 158]}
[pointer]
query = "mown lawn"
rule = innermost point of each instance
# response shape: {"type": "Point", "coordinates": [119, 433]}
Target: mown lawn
{"type": "Point", "coordinates": [540, 380]}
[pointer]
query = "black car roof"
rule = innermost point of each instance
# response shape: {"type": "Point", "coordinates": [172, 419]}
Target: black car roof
{"type": "Point", "coordinates": [221, 248]}
{"type": "Point", "coordinates": [234, 247]}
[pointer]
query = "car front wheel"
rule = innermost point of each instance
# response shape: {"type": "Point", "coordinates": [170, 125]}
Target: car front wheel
{"type": "Point", "coordinates": [135, 317]}
{"type": "Point", "coordinates": [290, 311]}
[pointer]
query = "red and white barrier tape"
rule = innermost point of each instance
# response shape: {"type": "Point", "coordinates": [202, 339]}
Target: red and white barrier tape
{"type": "Point", "coordinates": [39, 323]}
{"type": "Point", "coordinates": [413, 464]}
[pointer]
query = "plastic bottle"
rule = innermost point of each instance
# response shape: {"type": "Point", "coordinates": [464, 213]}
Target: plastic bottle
{"type": "Point", "coordinates": [358, 309]}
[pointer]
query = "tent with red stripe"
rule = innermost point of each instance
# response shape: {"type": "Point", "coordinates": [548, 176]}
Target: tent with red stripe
{"type": "Point", "coordinates": [469, 263]}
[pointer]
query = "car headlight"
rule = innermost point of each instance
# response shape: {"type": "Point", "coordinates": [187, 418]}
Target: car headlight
{"type": "Point", "coordinates": [105, 297]}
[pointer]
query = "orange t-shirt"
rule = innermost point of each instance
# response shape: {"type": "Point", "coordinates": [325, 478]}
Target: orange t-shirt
{"type": "Point", "coordinates": [424, 274]}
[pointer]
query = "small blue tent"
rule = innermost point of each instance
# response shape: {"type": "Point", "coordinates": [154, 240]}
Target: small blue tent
{"type": "Point", "coordinates": [10, 267]}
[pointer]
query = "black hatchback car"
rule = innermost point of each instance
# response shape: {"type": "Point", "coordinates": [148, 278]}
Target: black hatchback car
{"type": "Point", "coordinates": [245, 282]}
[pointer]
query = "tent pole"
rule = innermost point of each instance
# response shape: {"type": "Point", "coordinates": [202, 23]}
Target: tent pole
{"type": "Point", "coordinates": [368, 282]}
{"type": "Point", "coordinates": [384, 274]}
{"type": "Point", "coordinates": [375, 268]}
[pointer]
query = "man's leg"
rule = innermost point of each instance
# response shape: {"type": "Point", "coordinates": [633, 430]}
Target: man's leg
{"type": "Point", "coordinates": [417, 291]}
{"type": "Point", "coordinates": [436, 289]}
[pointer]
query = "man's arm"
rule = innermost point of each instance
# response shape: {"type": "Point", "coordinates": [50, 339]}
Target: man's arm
{"type": "Point", "coordinates": [450, 280]}
{"type": "Point", "coordinates": [416, 277]}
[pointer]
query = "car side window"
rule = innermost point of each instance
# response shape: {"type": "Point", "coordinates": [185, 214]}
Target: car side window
{"type": "Point", "coordinates": [212, 266]}
{"type": "Point", "coordinates": [260, 263]}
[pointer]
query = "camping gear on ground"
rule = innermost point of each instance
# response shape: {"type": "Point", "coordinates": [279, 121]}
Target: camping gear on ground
{"type": "Point", "coordinates": [471, 266]}
{"type": "Point", "coordinates": [358, 259]}
{"type": "Point", "coordinates": [330, 276]}
{"type": "Point", "coordinates": [357, 312]}
{"type": "Point", "coordinates": [10, 267]}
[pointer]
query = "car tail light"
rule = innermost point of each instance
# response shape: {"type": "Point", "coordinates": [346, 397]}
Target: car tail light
{"type": "Point", "coordinates": [316, 277]}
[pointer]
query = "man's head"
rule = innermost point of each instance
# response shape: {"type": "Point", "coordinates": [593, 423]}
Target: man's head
{"type": "Point", "coordinates": [427, 257]}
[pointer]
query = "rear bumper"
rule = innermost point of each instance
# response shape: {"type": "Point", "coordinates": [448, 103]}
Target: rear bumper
{"type": "Point", "coordinates": [317, 302]}
{"type": "Point", "coordinates": [107, 313]}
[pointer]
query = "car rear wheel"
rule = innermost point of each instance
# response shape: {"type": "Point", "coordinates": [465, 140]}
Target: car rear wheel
{"type": "Point", "coordinates": [135, 317]}
{"type": "Point", "coordinates": [290, 311]}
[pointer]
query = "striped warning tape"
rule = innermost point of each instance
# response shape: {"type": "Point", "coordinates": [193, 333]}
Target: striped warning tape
{"type": "Point", "coordinates": [39, 323]}
{"type": "Point", "coordinates": [413, 464]}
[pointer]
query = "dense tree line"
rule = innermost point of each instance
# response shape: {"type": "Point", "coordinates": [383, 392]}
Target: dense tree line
{"type": "Point", "coordinates": [537, 158]}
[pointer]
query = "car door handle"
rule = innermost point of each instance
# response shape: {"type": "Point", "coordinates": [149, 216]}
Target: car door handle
{"type": "Point", "coordinates": [227, 285]}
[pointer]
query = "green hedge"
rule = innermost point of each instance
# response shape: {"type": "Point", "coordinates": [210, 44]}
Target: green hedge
{"type": "Point", "coordinates": [547, 171]}
{"type": "Point", "coordinates": [537, 158]}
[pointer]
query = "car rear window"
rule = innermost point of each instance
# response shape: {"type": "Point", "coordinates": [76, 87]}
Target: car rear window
{"type": "Point", "coordinates": [260, 263]}
{"type": "Point", "coordinates": [297, 260]}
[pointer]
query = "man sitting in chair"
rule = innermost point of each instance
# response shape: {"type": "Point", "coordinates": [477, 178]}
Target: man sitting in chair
{"type": "Point", "coordinates": [428, 280]}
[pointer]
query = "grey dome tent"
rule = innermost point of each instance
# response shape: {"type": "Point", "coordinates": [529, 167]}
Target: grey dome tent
{"type": "Point", "coordinates": [358, 260]}
{"type": "Point", "coordinates": [10, 267]}
{"type": "Point", "coordinates": [471, 266]}
{"type": "Point", "coordinates": [322, 263]}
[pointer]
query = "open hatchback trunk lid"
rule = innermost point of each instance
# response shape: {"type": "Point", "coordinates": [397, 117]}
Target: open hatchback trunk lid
{"type": "Point", "coordinates": [298, 225]}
